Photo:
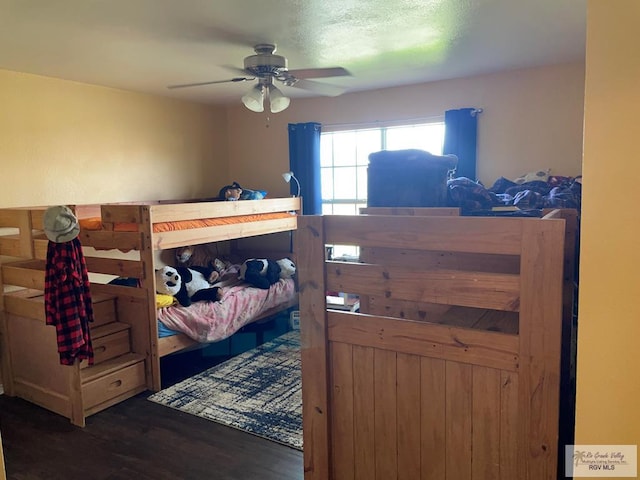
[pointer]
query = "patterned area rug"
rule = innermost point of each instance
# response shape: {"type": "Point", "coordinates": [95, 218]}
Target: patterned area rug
{"type": "Point", "coordinates": [259, 391]}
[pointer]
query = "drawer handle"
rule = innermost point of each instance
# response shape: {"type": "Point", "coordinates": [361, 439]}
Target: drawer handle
{"type": "Point", "coordinates": [99, 349]}
{"type": "Point", "coordinates": [116, 384]}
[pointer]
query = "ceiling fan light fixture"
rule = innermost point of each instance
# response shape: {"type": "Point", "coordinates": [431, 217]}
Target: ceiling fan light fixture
{"type": "Point", "coordinates": [277, 101]}
{"type": "Point", "coordinates": [254, 99]}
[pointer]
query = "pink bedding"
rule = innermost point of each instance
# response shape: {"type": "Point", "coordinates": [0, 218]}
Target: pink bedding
{"type": "Point", "coordinates": [214, 321]}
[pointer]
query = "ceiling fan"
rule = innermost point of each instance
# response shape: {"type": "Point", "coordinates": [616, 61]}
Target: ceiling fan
{"type": "Point", "coordinates": [266, 67]}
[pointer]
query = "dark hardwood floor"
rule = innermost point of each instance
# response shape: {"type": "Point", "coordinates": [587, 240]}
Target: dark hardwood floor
{"type": "Point", "coordinates": [138, 439]}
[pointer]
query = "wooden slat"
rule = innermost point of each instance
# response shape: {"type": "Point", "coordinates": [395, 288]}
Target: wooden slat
{"type": "Point", "coordinates": [10, 246]}
{"type": "Point", "coordinates": [432, 419]}
{"type": "Point", "coordinates": [200, 210]}
{"type": "Point", "coordinates": [412, 211]}
{"type": "Point", "coordinates": [107, 240]}
{"type": "Point", "coordinates": [458, 421]}
{"type": "Point", "coordinates": [16, 274]}
{"type": "Point", "coordinates": [363, 413]}
{"type": "Point", "coordinates": [427, 260]}
{"type": "Point", "coordinates": [409, 413]}
{"type": "Point", "coordinates": [122, 213]}
{"type": "Point", "coordinates": [385, 415]}
{"type": "Point", "coordinates": [177, 238]}
{"type": "Point", "coordinates": [115, 266]}
{"type": "Point", "coordinates": [540, 330]}
{"type": "Point", "coordinates": [309, 244]}
{"type": "Point", "coordinates": [118, 290]}
{"type": "Point", "coordinates": [490, 349]}
{"type": "Point", "coordinates": [11, 217]}
{"type": "Point", "coordinates": [459, 234]}
{"type": "Point", "coordinates": [485, 463]}
{"type": "Point", "coordinates": [342, 412]}
{"type": "Point", "coordinates": [509, 444]}
{"type": "Point", "coordinates": [495, 321]}
{"type": "Point", "coordinates": [20, 244]}
{"type": "Point", "coordinates": [388, 307]}
{"type": "Point", "coordinates": [497, 291]}
{"type": "Point", "coordinates": [176, 343]}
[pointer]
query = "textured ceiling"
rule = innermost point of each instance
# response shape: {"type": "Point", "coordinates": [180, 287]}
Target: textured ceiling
{"type": "Point", "coordinates": [145, 45]}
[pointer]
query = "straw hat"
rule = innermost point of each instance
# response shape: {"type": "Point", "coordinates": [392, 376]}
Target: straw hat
{"type": "Point", "coordinates": [60, 224]}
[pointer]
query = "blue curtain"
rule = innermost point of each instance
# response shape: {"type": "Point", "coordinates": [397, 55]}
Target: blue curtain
{"type": "Point", "coordinates": [304, 162]}
{"type": "Point", "coordinates": [460, 137]}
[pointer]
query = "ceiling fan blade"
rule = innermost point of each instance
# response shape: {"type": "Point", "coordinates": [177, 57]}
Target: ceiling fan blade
{"type": "Point", "coordinates": [317, 87]}
{"type": "Point", "coordinates": [320, 72]}
{"type": "Point", "coordinates": [199, 84]}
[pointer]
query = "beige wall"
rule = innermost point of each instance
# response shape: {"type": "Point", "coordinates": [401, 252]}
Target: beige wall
{"type": "Point", "coordinates": [532, 120]}
{"type": "Point", "coordinates": [65, 142]}
{"type": "Point", "coordinates": [608, 398]}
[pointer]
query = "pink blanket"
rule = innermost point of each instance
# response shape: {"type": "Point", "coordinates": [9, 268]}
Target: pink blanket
{"type": "Point", "coordinates": [240, 304]}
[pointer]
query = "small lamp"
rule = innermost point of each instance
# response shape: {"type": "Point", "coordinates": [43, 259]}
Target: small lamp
{"type": "Point", "coordinates": [254, 98]}
{"type": "Point", "coordinates": [287, 178]}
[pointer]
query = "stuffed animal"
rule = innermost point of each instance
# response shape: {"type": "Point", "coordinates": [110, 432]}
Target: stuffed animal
{"type": "Point", "coordinates": [201, 256]}
{"type": "Point", "coordinates": [230, 192]}
{"type": "Point", "coordinates": [248, 194]}
{"type": "Point", "coordinates": [187, 285]}
{"type": "Point", "coordinates": [262, 273]}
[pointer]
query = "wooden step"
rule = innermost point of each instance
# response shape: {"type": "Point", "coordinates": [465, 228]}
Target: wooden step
{"type": "Point", "coordinates": [111, 366]}
{"type": "Point", "coordinates": [29, 303]}
{"type": "Point", "coordinates": [104, 309]}
{"type": "Point", "coordinates": [109, 341]}
{"type": "Point", "coordinates": [108, 329]}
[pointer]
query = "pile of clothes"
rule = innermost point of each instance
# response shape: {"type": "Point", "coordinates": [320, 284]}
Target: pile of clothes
{"type": "Point", "coordinates": [550, 191]}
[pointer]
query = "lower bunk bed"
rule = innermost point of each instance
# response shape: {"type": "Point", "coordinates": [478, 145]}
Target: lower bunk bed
{"type": "Point", "coordinates": [126, 241]}
{"type": "Point", "coordinates": [180, 327]}
{"type": "Point", "coordinates": [451, 368]}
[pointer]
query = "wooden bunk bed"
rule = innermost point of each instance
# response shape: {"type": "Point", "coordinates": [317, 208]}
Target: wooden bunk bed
{"type": "Point", "coordinates": [451, 369]}
{"type": "Point", "coordinates": [125, 331]}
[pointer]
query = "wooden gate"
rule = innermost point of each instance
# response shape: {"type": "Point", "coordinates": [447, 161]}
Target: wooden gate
{"type": "Point", "coordinates": [451, 369]}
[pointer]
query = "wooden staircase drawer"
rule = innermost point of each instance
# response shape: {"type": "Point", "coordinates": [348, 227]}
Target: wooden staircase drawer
{"type": "Point", "coordinates": [112, 385]}
{"type": "Point", "coordinates": [109, 346]}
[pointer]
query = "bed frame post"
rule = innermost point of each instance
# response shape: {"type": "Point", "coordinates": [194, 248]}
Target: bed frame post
{"type": "Point", "coordinates": [541, 308]}
{"type": "Point", "coordinates": [149, 284]}
{"type": "Point", "coordinates": [309, 247]}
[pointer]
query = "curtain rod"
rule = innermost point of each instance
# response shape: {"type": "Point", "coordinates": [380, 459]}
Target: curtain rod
{"type": "Point", "coordinates": [378, 123]}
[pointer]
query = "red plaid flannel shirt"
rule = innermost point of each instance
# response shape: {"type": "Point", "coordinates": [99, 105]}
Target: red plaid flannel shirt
{"type": "Point", "coordinates": [67, 300]}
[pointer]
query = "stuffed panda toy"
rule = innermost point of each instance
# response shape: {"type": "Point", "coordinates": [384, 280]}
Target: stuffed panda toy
{"type": "Point", "coordinates": [262, 273]}
{"type": "Point", "coordinates": [187, 285]}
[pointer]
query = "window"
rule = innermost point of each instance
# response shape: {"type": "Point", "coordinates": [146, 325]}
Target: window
{"type": "Point", "coordinates": [344, 157]}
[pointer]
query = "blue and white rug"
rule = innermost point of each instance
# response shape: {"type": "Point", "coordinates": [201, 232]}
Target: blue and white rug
{"type": "Point", "coordinates": [259, 391]}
